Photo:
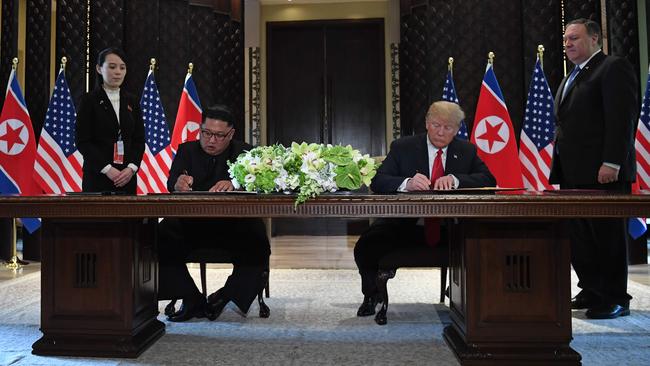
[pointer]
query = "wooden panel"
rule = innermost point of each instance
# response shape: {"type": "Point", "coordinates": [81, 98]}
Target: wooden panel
{"type": "Point", "coordinates": [99, 285]}
{"type": "Point", "coordinates": [503, 280]}
{"type": "Point", "coordinates": [329, 205]}
{"type": "Point", "coordinates": [355, 86]}
{"type": "Point", "coordinates": [514, 307]}
{"type": "Point", "coordinates": [295, 83]}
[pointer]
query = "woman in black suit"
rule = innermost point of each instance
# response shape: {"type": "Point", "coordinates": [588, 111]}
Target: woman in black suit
{"type": "Point", "coordinates": [110, 130]}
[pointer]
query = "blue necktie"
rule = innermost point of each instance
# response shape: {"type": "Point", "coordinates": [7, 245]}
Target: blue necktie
{"type": "Point", "coordinates": [572, 76]}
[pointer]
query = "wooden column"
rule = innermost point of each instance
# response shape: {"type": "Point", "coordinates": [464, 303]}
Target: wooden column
{"type": "Point", "coordinates": [99, 287]}
{"type": "Point", "coordinates": [510, 293]}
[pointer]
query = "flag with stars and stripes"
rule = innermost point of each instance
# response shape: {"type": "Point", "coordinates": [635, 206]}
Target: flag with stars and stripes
{"type": "Point", "coordinates": [58, 165]}
{"type": "Point", "coordinates": [449, 94]}
{"type": "Point", "coordinates": [536, 139]}
{"type": "Point", "coordinates": [154, 169]}
{"type": "Point", "coordinates": [17, 148]}
{"type": "Point", "coordinates": [637, 226]}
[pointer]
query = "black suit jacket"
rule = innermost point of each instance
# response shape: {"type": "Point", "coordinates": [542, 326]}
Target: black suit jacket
{"type": "Point", "coordinates": [97, 131]}
{"type": "Point", "coordinates": [408, 156]}
{"type": "Point", "coordinates": [205, 169]}
{"type": "Point", "coordinates": [596, 122]}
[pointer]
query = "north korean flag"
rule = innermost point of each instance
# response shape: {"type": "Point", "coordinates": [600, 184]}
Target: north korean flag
{"type": "Point", "coordinates": [17, 148]}
{"type": "Point", "coordinates": [493, 134]}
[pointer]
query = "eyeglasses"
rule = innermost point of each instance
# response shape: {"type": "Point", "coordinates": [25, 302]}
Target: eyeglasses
{"type": "Point", "coordinates": [217, 135]}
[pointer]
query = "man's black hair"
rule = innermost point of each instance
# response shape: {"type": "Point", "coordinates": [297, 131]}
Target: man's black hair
{"type": "Point", "coordinates": [593, 28]}
{"type": "Point", "coordinates": [220, 112]}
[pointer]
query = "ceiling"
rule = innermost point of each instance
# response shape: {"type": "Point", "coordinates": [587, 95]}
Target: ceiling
{"type": "Point", "coordinates": [285, 2]}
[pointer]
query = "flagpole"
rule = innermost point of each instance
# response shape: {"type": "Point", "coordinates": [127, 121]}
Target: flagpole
{"type": "Point", "coordinates": [152, 64]}
{"type": "Point", "coordinates": [14, 263]}
{"type": "Point", "coordinates": [540, 54]}
{"type": "Point", "coordinates": [491, 58]}
{"type": "Point", "coordinates": [190, 66]}
{"type": "Point", "coordinates": [450, 66]}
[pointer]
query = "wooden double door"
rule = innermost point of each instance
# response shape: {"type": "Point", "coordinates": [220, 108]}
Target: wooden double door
{"type": "Point", "coordinates": [326, 84]}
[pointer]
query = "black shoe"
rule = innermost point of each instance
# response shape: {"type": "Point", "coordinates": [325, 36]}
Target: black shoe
{"type": "Point", "coordinates": [190, 309]}
{"type": "Point", "coordinates": [368, 306]}
{"type": "Point", "coordinates": [607, 311]}
{"type": "Point", "coordinates": [216, 303]}
{"type": "Point", "coordinates": [170, 309]}
{"type": "Point", "coordinates": [585, 300]}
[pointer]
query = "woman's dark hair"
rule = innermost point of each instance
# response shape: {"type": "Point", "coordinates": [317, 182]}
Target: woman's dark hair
{"type": "Point", "coordinates": [101, 58]}
{"type": "Point", "coordinates": [220, 112]}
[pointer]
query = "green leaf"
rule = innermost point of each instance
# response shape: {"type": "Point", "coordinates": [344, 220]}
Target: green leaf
{"type": "Point", "coordinates": [348, 176]}
{"type": "Point", "coordinates": [338, 155]}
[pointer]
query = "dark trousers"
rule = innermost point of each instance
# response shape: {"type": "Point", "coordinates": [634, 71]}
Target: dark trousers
{"type": "Point", "coordinates": [383, 237]}
{"type": "Point", "coordinates": [244, 239]}
{"type": "Point", "coordinates": [599, 251]}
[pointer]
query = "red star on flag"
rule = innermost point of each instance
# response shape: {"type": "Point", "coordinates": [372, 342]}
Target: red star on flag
{"type": "Point", "coordinates": [12, 136]}
{"type": "Point", "coordinates": [491, 134]}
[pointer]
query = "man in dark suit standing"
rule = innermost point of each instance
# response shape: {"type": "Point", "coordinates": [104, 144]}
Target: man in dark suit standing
{"type": "Point", "coordinates": [202, 166]}
{"type": "Point", "coordinates": [409, 166]}
{"type": "Point", "coordinates": [596, 107]}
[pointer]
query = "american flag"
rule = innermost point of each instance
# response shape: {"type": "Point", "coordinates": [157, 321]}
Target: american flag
{"type": "Point", "coordinates": [154, 169]}
{"type": "Point", "coordinates": [536, 142]}
{"type": "Point", "coordinates": [58, 164]}
{"type": "Point", "coordinates": [449, 94]}
{"type": "Point", "coordinates": [637, 226]}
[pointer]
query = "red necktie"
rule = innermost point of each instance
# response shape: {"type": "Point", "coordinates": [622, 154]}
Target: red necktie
{"type": "Point", "coordinates": [432, 224]}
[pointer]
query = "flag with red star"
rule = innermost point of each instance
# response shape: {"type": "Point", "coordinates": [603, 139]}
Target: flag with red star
{"type": "Point", "coordinates": [188, 119]}
{"type": "Point", "coordinates": [17, 148]}
{"type": "Point", "coordinates": [493, 134]}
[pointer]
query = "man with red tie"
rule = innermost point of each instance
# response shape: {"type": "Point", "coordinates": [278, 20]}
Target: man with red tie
{"type": "Point", "coordinates": [436, 160]}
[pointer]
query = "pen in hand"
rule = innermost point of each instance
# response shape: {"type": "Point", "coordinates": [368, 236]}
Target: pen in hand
{"type": "Point", "coordinates": [189, 183]}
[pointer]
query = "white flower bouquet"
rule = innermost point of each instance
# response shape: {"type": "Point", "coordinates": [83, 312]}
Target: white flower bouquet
{"type": "Point", "coordinates": [308, 169]}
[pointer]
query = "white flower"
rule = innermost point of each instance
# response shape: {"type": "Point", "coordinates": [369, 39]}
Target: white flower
{"type": "Point", "coordinates": [235, 182]}
{"type": "Point", "coordinates": [308, 169]}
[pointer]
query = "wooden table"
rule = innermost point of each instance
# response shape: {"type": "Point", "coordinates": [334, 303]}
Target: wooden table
{"type": "Point", "coordinates": [510, 272]}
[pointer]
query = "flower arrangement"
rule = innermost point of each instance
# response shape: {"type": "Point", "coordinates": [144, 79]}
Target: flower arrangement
{"type": "Point", "coordinates": [309, 169]}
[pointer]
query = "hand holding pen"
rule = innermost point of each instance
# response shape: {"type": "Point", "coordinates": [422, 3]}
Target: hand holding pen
{"type": "Point", "coordinates": [419, 182]}
{"type": "Point", "coordinates": [184, 182]}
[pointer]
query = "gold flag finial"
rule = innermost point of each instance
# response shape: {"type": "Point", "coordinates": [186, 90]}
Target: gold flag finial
{"type": "Point", "coordinates": [64, 60]}
{"type": "Point", "coordinates": [491, 58]}
{"type": "Point", "coordinates": [540, 54]}
{"type": "Point", "coordinates": [152, 64]}
{"type": "Point", "coordinates": [14, 63]}
{"type": "Point", "coordinates": [450, 64]}
{"type": "Point", "coordinates": [190, 67]}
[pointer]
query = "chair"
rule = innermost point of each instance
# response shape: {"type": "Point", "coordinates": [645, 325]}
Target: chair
{"type": "Point", "coordinates": [202, 256]}
{"type": "Point", "coordinates": [412, 257]}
